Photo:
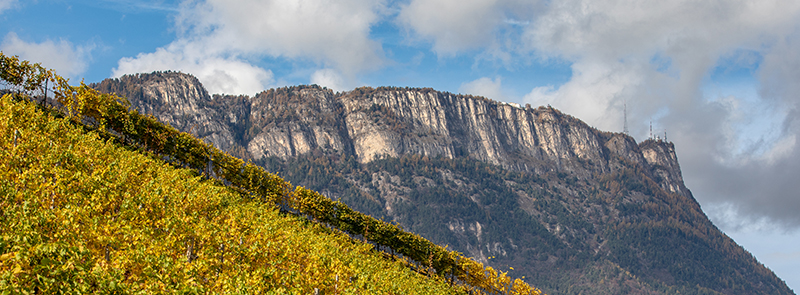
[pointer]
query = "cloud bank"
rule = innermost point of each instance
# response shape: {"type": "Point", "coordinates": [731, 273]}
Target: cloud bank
{"type": "Point", "coordinates": [67, 59]}
{"type": "Point", "coordinates": [219, 73]}
{"type": "Point", "coordinates": [486, 87]}
{"type": "Point", "coordinates": [220, 40]}
{"type": "Point", "coordinates": [6, 4]}
{"type": "Point", "coordinates": [658, 57]}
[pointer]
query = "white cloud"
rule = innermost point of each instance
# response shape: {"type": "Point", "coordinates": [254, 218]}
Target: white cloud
{"type": "Point", "coordinates": [595, 93]}
{"type": "Point", "coordinates": [642, 50]}
{"type": "Point", "coordinates": [219, 74]}
{"type": "Point", "coordinates": [541, 95]}
{"type": "Point", "coordinates": [614, 29]}
{"type": "Point", "coordinates": [657, 57]}
{"type": "Point", "coordinates": [458, 25]}
{"type": "Point", "coordinates": [67, 59]}
{"type": "Point", "coordinates": [780, 70]}
{"type": "Point", "coordinates": [215, 34]}
{"type": "Point", "coordinates": [7, 4]}
{"type": "Point", "coordinates": [486, 87]}
{"type": "Point", "coordinates": [329, 78]}
{"type": "Point", "coordinates": [334, 33]}
{"type": "Point", "coordinates": [452, 25]}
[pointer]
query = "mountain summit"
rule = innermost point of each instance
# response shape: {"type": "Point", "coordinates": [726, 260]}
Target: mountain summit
{"type": "Point", "coordinates": [531, 190]}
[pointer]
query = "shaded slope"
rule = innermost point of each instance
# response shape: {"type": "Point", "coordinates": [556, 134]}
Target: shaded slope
{"type": "Point", "coordinates": [563, 234]}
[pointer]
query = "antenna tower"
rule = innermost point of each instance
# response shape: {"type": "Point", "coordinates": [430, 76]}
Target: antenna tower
{"type": "Point", "coordinates": [625, 118]}
{"type": "Point", "coordinates": [651, 129]}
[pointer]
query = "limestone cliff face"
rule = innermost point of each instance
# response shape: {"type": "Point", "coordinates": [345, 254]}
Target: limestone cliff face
{"type": "Point", "coordinates": [369, 123]}
{"type": "Point", "coordinates": [394, 121]}
{"type": "Point", "coordinates": [664, 164]}
{"type": "Point", "coordinates": [176, 99]}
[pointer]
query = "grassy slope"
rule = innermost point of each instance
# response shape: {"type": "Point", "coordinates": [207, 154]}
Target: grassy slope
{"type": "Point", "coordinates": [81, 214]}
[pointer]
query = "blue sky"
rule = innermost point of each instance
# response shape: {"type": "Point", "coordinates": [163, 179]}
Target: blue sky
{"type": "Point", "coordinates": [720, 77]}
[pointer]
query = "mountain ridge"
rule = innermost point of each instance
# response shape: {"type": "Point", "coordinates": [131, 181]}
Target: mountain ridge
{"type": "Point", "coordinates": [536, 131]}
{"type": "Point", "coordinates": [578, 200]}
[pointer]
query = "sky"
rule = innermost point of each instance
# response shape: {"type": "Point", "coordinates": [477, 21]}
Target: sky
{"type": "Point", "coordinates": [720, 79]}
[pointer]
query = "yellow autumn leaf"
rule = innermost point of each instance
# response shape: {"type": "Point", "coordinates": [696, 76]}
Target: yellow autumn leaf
{"type": "Point", "coordinates": [7, 256]}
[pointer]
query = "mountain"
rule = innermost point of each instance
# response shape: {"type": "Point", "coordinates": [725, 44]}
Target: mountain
{"type": "Point", "coordinates": [530, 190]}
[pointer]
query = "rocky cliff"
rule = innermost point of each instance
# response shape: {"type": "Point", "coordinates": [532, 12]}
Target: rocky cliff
{"type": "Point", "coordinates": [369, 123]}
{"type": "Point", "coordinates": [573, 208]}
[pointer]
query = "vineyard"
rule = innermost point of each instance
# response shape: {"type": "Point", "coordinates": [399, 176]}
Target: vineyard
{"type": "Point", "coordinates": [99, 198]}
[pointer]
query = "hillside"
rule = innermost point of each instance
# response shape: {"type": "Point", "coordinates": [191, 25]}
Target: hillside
{"type": "Point", "coordinates": [81, 214]}
{"type": "Point", "coordinates": [97, 199]}
{"type": "Point", "coordinates": [571, 208]}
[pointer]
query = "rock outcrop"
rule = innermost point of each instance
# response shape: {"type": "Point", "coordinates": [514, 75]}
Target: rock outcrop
{"type": "Point", "coordinates": [575, 209]}
{"type": "Point", "coordinates": [370, 123]}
